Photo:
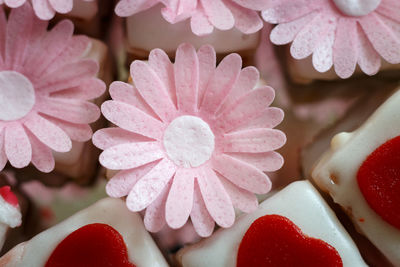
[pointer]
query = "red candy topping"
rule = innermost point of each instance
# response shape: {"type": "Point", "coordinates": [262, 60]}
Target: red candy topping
{"type": "Point", "coordinates": [274, 240]}
{"type": "Point", "coordinates": [93, 245]}
{"type": "Point", "coordinates": [8, 196]}
{"type": "Point", "coordinates": [379, 181]}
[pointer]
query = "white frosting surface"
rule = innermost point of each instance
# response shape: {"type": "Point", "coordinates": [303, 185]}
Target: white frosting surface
{"type": "Point", "coordinates": [301, 203]}
{"type": "Point", "coordinates": [357, 7]}
{"type": "Point", "coordinates": [148, 30]}
{"type": "Point", "coordinates": [348, 151]}
{"type": "Point", "coordinates": [142, 250]}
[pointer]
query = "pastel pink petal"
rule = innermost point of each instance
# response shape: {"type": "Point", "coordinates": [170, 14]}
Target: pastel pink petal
{"type": "Point", "coordinates": [221, 83]}
{"type": "Point", "coordinates": [77, 132]}
{"type": "Point", "coordinates": [246, 81]}
{"type": "Point", "coordinates": [3, 25]}
{"type": "Point", "coordinates": [42, 157]}
{"type": "Point", "coordinates": [218, 14]}
{"type": "Point", "coordinates": [390, 9]}
{"type": "Point", "coordinates": [178, 10]}
{"type": "Point", "coordinates": [43, 9]}
{"type": "Point", "coordinates": [322, 58]}
{"type": "Point", "coordinates": [207, 63]}
{"type": "Point", "coordinates": [132, 155]}
{"type": "Point", "coordinates": [17, 146]}
{"type": "Point", "coordinates": [154, 218]}
{"type": "Point", "coordinates": [200, 24]}
{"type": "Point", "coordinates": [266, 162]}
{"type": "Point", "coordinates": [246, 20]}
{"type": "Point", "coordinates": [344, 49]}
{"type": "Point", "coordinates": [368, 59]}
{"type": "Point", "coordinates": [253, 4]}
{"type": "Point", "coordinates": [216, 199]}
{"type": "Point", "coordinates": [88, 89]}
{"type": "Point", "coordinates": [382, 38]}
{"type": "Point", "coordinates": [202, 221]}
{"type": "Point", "coordinates": [14, 3]}
{"type": "Point", "coordinates": [62, 6]}
{"type": "Point", "coordinates": [75, 111]}
{"type": "Point", "coordinates": [109, 137]}
{"type": "Point", "coordinates": [241, 199]}
{"type": "Point", "coordinates": [3, 156]}
{"type": "Point", "coordinates": [180, 199]}
{"type": "Point", "coordinates": [122, 183]}
{"type": "Point", "coordinates": [48, 133]}
{"type": "Point", "coordinates": [17, 37]}
{"type": "Point", "coordinates": [161, 64]}
{"type": "Point", "coordinates": [186, 77]}
{"type": "Point", "coordinates": [254, 140]}
{"type": "Point", "coordinates": [269, 118]}
{"type": "Point", "coordinates": [67, 76]}
{"type": "Point", "coordinates": [126, 8]}
{"type": "Point", "coordinates": [248, 107]}
{"type": "Point", "coordinates": [286, 32]}
{"type": "Point", "coordinates": [152, 90]}
{"type": "Point", "coordinates": [288, 11]}
{"type": "Point", "coordinates": [240, 173]}
{"type": "Point", "coordinates": [147, 189]}
{"type": "Point", "coordinates": [132, 119]}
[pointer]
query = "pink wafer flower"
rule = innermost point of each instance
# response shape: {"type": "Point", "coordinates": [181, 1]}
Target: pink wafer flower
{"type": "Point", "coordinates": [204, 14]}
{"type": "Point", "coordinates": [44, 89]}
{"type": "Point", "coordinates": [341, 33]}
{"type": "Point", "coordinates": [192, 139]}
{"type": "Point", "coordinates": [45, 9]}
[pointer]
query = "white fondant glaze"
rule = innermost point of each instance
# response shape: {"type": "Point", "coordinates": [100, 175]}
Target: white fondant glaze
{"type": "Point", "coordinates": [189, 141]}
{"type": "Point", "coordinates": [17, 95]}
{"type": "Point", "coordinates": [357, 8]}
{"type": "Point", "coordinates": [148, 30]}
{"type": "Point", "coordinates": [301, 203]}
{"type": "Point", "coordinates": [336, 173]}
{"type": "Point", "coordinates": [9, 214]}
{"type": "Point", "coordinates": [142, 250]}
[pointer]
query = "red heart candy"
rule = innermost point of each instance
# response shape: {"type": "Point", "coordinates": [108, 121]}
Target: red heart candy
{"type": "Point", "coordinates": [274, 240]}
{"type": "Point", "coordinates": [379, 181]}
{"type": "Point", "coordinates": [93, 245]}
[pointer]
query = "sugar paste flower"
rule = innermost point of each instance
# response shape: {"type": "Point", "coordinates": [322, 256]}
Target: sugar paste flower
{"type": "Point", "coordinates": [45, 9]}
{"type": "Point", "coordinates": [342, 33]}
{"type": "Point", "coordinates": [191, 139]}
{"type": "Point", "coordinates": [204, 14]}
{"type": "Point", "coordinates": [45, 86]}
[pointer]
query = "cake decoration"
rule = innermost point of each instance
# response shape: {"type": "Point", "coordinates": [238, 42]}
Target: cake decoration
{"type": "Point", "coordinates": [192, 139]}
{"type": "Point", "coordinates": [10, 213]}
{"type": "Point", "coordinates": [44, 9]}
{"type": "Point", "coordinates": [274, 240]}
{"type": "Point", "coordinates": [338, 33]}
{"type": "Point", "coordinates": [94, 244]}
{"type": "Point", "coordinates": [45, 87]}
{"type": "Point", "coordinates": [205, 15]}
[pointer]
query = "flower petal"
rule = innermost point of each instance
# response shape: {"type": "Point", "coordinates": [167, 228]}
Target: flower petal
{"type": "Point", "coordinates": [109, 137]}
{"type": "Point", "coordinates": [200, 24]}
{"type": "Point", "coordinates": [207, 61]}
{"type": "Point", "coordinates": [202, 221]}
{"type": "Point", "coordinates": [368, 59]}
{"type": "Point", "coordinates": [218, 14]}
{"type": "Point", "coordinates": [3, 25]}
{"type": "Point", "coordinates": [253, 4]}
{"type": "Point", "coordinates": [147, 189]}
{"type": "Point", "coordinates": [3, 156]}
{"type": "Point", "coordinates": [322, 58]}
{"type": "Point", "coordinates": [180, 199]}
{"type": "Point", "coordinates": [14, 3]}
{"type": "Point", "coordinates": [216, 199]}
{"type": "Point", "coordinates": [62, 6]}
{"type": "Point", "coordinates": [42, 157]}
{"type": "Point", "coordinates": [126, 8]}
{"type": "Point", "coordinates": [288, 11]}
{"type": "Point", "coordinates": [269, 118]}
{"type": "Point", "coordinates": [132, 119]}
{"type": "Point", "coordinates": [266, 162]}
{"type": "Point", "coordinates": [17, 146]}
{"type": "Point", "coordinates": [77, 132]}
{"type": "Point", "coordinates": [43, 9]}
{"type": "Point", "coordinates": [242, 174]}
{"type": "Point", "coordinates": [88, 89]}
{"type": "Point", "coordinates": [246, 20]}
{"type": "Point", "coordinates": [128, 156]}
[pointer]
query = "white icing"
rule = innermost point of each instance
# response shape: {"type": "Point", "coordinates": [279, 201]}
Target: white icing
{"type": "Point", "coordinates": [189, 141]}
{"type": "Point", "coordinates": [148, 30]}
{"type": "Point", "coordinates": [299, 202]}
{"type": "Point", "coordinates": [343, 161]}
{"type": "Point", "coordinates": [9, 214]}
{"type": "Point", "coordinates": [142, 250]}
{"type": "Point", "coordinates": [17, 95]}
{"type": "Point", "coordinates": [357, 8]}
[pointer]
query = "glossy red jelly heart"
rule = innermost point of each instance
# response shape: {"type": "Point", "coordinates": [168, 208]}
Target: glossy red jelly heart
{"type": "Point", "coordinates": [274, 240]}
{"type": "Point", "coordinates": [379, 181]}
{"type": "Point", "coordinates": [8, 195]}
{"type": "Point", "coordinates": [93, 245]}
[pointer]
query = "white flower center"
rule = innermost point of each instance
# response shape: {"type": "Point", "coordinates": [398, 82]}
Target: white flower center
{"type": "Point", "coordinates": [357, 8]}
{"type": "Point", "coordinates": [17, 95]}
{"type": "Point", "coordinates": [189, 141]}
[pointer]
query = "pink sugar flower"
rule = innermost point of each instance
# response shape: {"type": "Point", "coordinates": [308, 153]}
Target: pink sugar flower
{"type": "Point", "coordinates": [44, 9]}
{"type": "Point", "coordinates": [204, 14]}
{"type": "Point", "coordinates": [45, 86]}
{"type": "Point", "coordinates": [192, 139]}
{"type": "Point", "coordinates": [341, 33]}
